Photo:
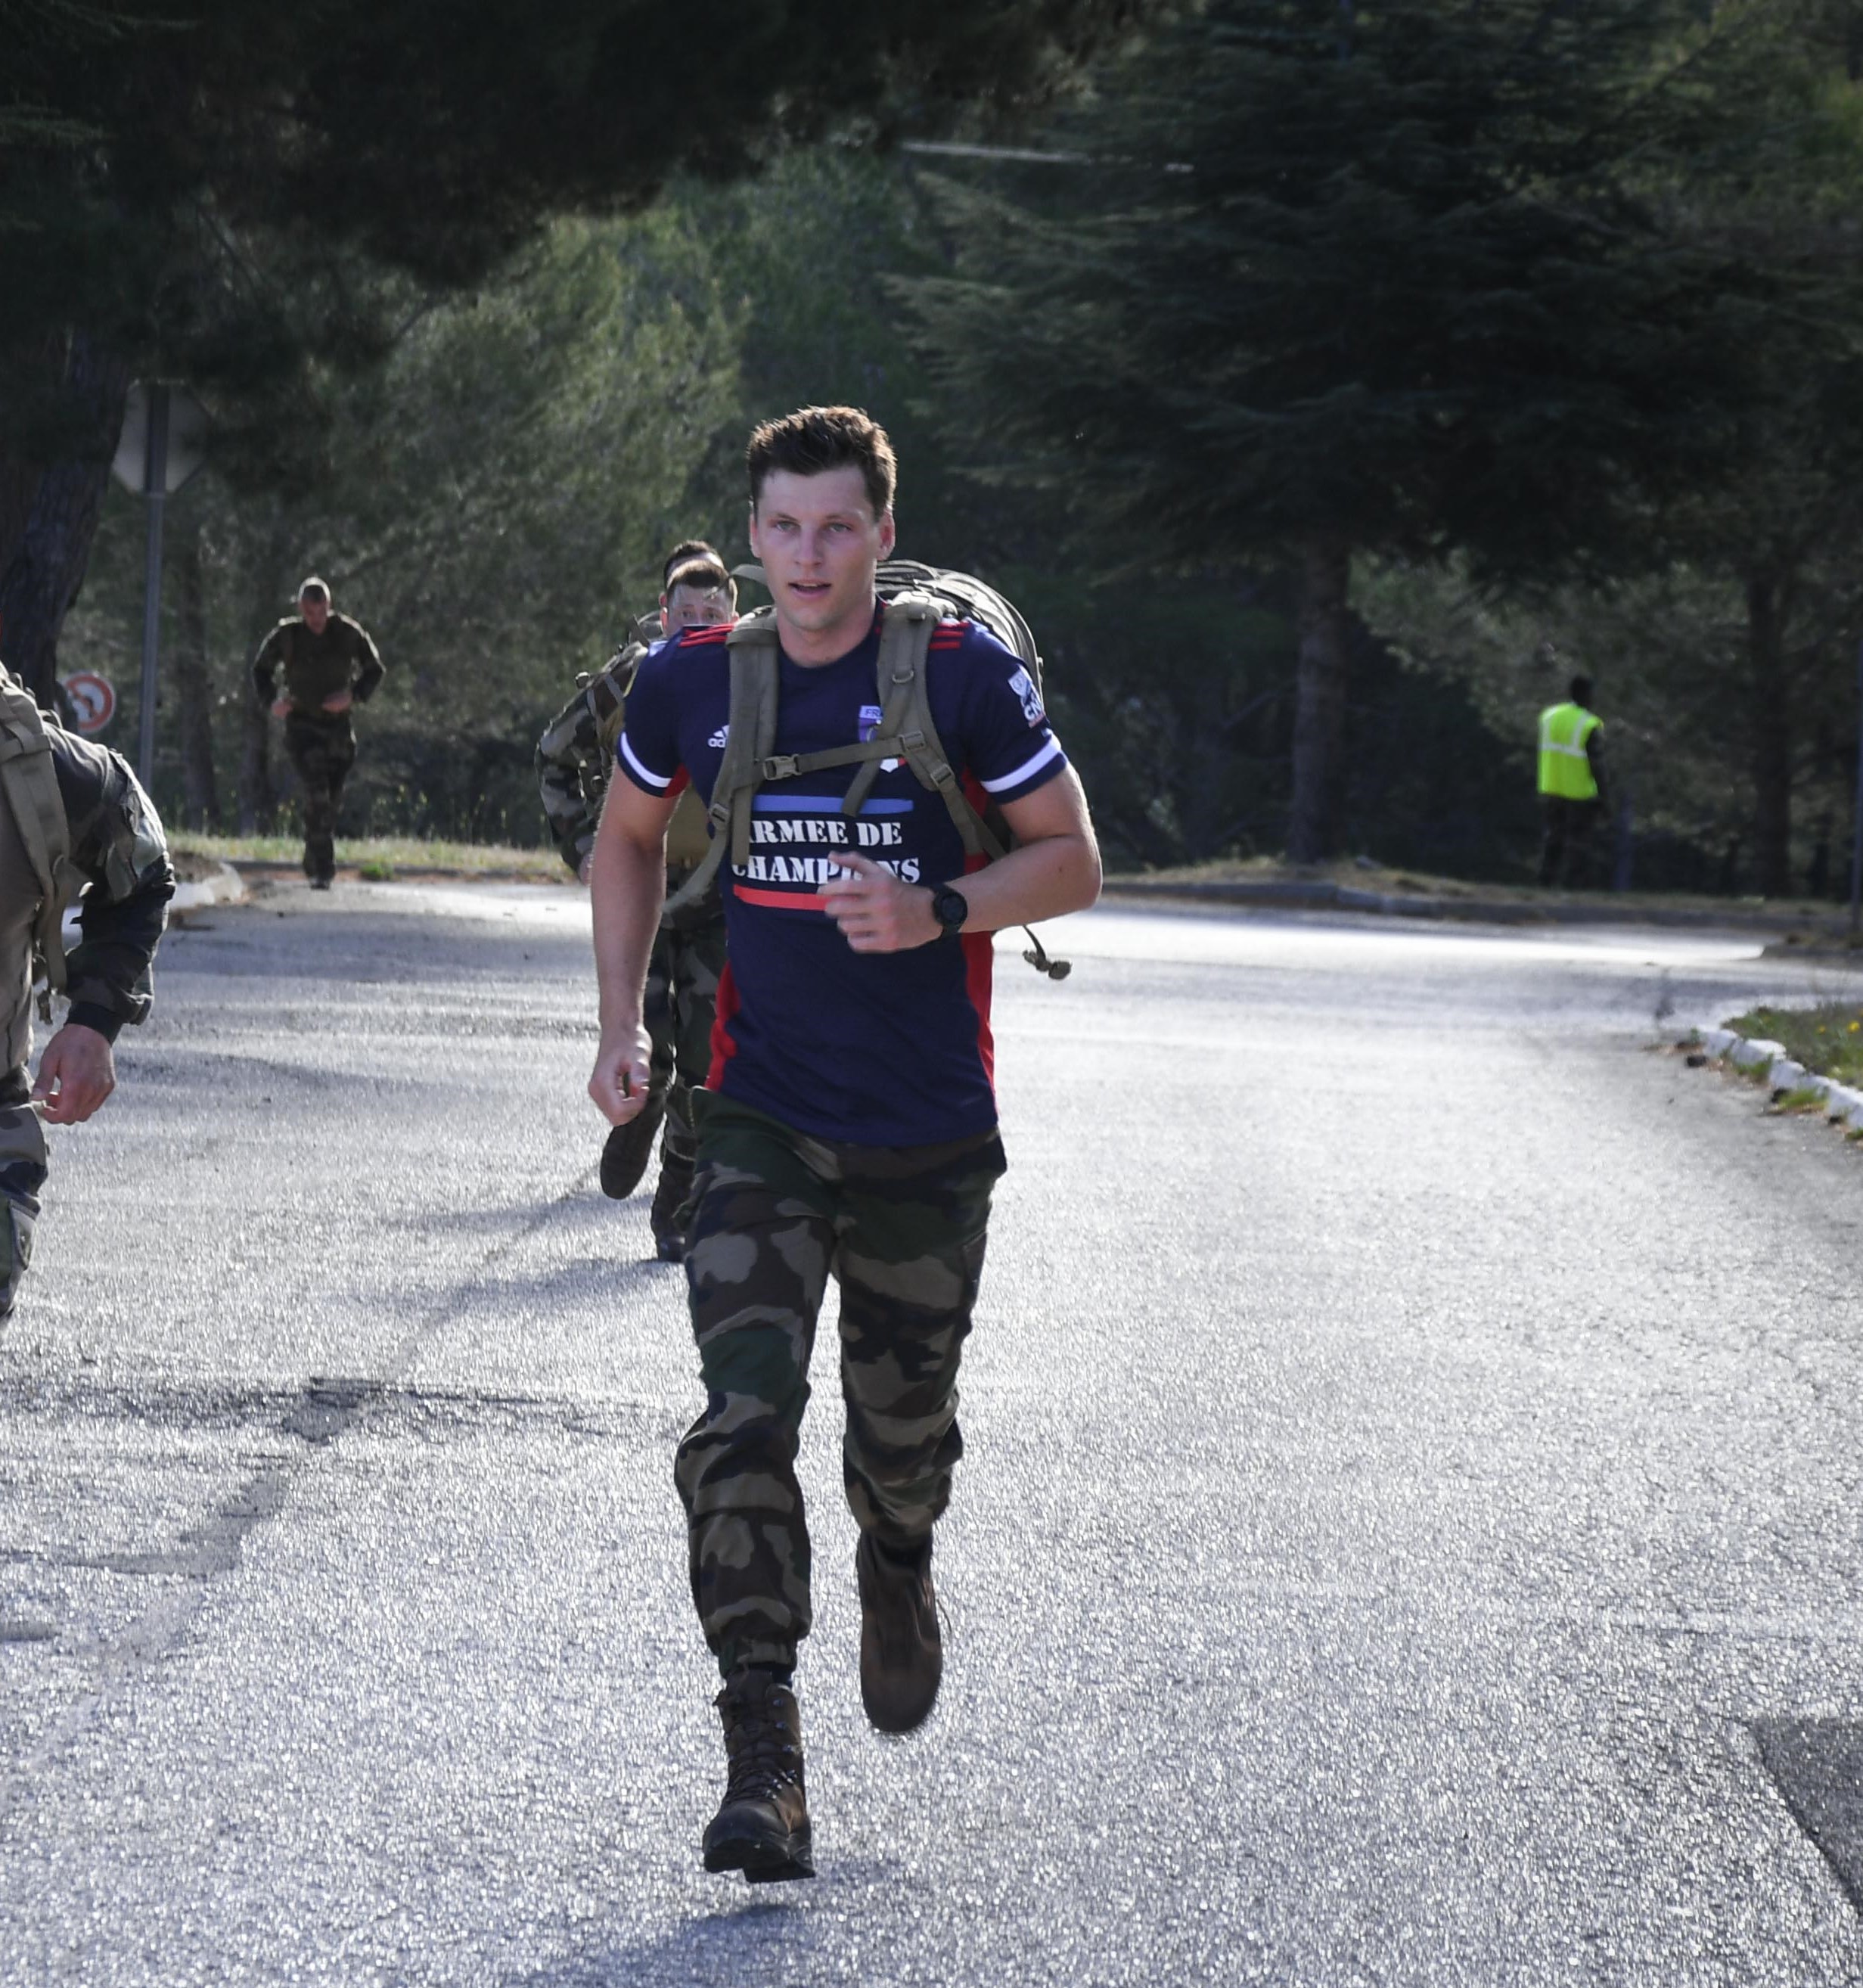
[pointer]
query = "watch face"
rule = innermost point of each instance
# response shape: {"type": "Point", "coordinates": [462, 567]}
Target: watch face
{"type": "Point", "coordinates": [951, 908]}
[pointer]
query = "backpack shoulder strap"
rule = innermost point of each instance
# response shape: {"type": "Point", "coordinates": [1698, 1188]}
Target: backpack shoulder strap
{"type": "Point", "coordinates": [906, 723]}
{"type": "Point", "coordinates": [30, 782]}
{"type": "Point", "coordinates": [750, 734]}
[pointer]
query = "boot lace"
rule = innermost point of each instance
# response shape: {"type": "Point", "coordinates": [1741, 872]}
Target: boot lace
{"type": "Point", "coordinates": [760, 1758]}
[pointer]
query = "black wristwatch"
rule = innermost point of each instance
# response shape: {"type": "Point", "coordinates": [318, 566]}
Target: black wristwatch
{"type": "Point", "coordinates": [951, 908]}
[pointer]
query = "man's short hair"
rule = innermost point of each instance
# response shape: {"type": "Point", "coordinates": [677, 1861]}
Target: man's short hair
{"type": "Point", "coordinates": [314, 589]}
{"type": "Point", "coordinates": [705, 575]}
{"type": "Point", "coordinates": [688, 548]}
{"type": "Point", "coordinates": [813, 440]}
{"type": "Point", "coordinates": [1579, 690]}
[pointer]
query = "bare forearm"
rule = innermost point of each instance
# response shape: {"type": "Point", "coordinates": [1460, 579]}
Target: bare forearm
{"type": "Point", "coordinates": [627, 886]}
{"type": "Point", "coordinates": [1054, 868]}
{"type": "Point", "coordinates": [1040, 880]}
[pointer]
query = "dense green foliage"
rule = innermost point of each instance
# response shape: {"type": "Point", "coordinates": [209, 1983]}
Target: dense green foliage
{"type": "Point", "coordinates": [221, 191]}
{"type": "Point", "coordinates": [1346, 376]}
{"type": "Point", "coordinates": [1400, 278]}
{"type": "Point", "coordinates": [495, 500]}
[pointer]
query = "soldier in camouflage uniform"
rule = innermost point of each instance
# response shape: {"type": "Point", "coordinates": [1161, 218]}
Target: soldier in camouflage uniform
{"type": "Point", "coordinates": [574, 758]}
{"type": "Point", "coordinates": [330, 666]}
{"type": "Point", "coordinates": [848, 1126]}
{"type": "Point", "coordinates": [71, 814]}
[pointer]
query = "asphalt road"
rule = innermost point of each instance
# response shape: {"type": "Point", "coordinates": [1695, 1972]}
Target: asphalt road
{"type": "Point", "coordinates": [1410, 1531]}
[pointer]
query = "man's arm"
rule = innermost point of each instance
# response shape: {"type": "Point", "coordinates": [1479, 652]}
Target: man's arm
{"type": "Point", "coordinates": [1594, 759]}
{"type": "Point", "coordinates": [369, 669]}
{"type": "Point", "coordinates": [1054, 869]}
{"type": "Point", "coordinates": [264, 667]}
{"type": "Point", "coordinates": [627, 888]}
{"type": "Point", "coordinates": [117, 845]}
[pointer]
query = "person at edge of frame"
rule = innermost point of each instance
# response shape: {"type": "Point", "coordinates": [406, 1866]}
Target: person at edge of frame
{"type": "Point", "coordinates": [330, 666]}
{"type": "Point", "coordinates": [1572, 785]}
{"type": "Point", "coordinates": [848, 1125]}
{"type": "Point", "coordinates": [91, 827]}
{"type": "Point", "coordinates": [573, 758]}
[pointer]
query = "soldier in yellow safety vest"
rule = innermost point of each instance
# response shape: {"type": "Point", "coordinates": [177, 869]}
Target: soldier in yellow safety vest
{"type": "Point", "coordinates": [1571, 783]}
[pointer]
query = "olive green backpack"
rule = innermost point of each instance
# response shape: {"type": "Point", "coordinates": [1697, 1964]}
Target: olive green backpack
{"type": "Point", "coordinates": [30, 783]}
{"type": "Point", "coordinates": [915, 599]}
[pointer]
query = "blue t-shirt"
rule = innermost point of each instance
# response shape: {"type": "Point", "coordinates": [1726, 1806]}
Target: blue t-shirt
{"type": "Point", "coordinates": [873, 1049]}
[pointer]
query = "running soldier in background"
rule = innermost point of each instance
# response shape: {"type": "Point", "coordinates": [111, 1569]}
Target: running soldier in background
{"type": "Point", "coordinates": [848, 1125]}
{"type": "Point", "coordinates": [574, 757]}
{"type": "Point", "coordinates": [71, 814]}
{"type": "Point", "coordinates": [330, 666]}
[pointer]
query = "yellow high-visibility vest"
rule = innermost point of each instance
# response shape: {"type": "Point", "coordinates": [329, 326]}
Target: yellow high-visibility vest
{"type": "Point", "coordinates": [1564, 769]}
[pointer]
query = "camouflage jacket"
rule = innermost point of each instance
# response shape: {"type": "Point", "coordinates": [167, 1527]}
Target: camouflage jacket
{"type": "Point", "coordinates": [342, 658]}
{"type": "Point", "coordinates": [118, 847]}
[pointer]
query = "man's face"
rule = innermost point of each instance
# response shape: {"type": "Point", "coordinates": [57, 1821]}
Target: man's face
{"type": "Point", "coordinates": [694, 607]}
{"type": "Point", "coordinates": [315, 613]}
{"type": "Point", "coordinates": [819, 542]}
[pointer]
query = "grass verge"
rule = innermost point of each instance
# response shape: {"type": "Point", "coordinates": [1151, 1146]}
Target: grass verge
{"type": "Point", "coordinates": [1360, 874]}
{"type": "Point", "coordinates": [379, 856]}
{"type": "Point", "coordinates": [1827, 1040]}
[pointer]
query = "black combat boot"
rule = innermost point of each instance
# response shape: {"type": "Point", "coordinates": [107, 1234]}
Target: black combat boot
{"type": "Point", "coordinates": [674, 1190]}
{"type": "Point", "coordinates": [902, 1653]}
{"type": "Point", "coordinates": [629, 1148]}
{"type": "Point", "coordinates": [761, 1826]}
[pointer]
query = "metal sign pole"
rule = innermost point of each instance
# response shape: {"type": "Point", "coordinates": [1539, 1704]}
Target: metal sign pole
{"type": "Point", "coordinates": [1856, 838]}
{"type": "Point", "coordinates": [155, 492]}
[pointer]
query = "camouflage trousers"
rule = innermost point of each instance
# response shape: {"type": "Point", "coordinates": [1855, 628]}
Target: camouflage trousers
{"type": "Point", "coordinates": [681, 999]}
{"type": "Point", "coordinates": [323, 750]}
{"type": "Point", "coordinates": [774, 1211]}
{"type": "Point", "coordinates": [22, 1174]}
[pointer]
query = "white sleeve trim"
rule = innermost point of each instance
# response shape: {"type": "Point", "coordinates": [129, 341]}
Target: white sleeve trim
{"type": "Point", "coordinates": [1050, 751]}
{"type": "Point", "coordinates": [653, 779]}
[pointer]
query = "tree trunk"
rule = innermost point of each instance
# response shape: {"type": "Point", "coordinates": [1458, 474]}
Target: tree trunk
{"type": "Point", "coordinates": [193, 691]}
{"type": "Point", "coordinates": [34, 370]}
{"type": "Point", "coordinates": [1319, 717]}
{"type": "Point", "coordinates": [42, 579]}
{"type": "Point", "coordinates": [1769, 715]}
{"type": "Point", "coordinates": [19, 480]}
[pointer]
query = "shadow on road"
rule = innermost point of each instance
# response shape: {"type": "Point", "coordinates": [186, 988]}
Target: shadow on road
{"type": "Point", "coordinates": [798, 1932]}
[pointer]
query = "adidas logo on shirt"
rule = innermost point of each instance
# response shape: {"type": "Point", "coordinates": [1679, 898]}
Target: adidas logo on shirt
{"type": "Point", "coordinates": [718, 739]}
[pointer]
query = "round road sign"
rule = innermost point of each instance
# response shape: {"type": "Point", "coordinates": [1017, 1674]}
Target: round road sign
{"type": "Point", "coordinates": [92, 698]}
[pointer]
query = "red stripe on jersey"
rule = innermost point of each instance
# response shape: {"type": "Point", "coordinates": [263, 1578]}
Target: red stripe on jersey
{"type": "Point", "coordinates": [778, 900]}
{"type": "Point", "coordinates": [678, 785]}
{"type": "Point", "coordinates": [712, 631]}
{"type": "Point", "coordinates": [979, 970]}
{"type": "Point", "coordinates": [723, 1047]}
{"type": "Point", "coordinates": [980, 951]}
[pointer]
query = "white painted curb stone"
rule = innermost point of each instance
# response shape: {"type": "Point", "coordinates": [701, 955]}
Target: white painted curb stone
{"type": "Point", "coordinates": [1841, 1101]}
{"type": "Point", "coordinates": [225, 887]}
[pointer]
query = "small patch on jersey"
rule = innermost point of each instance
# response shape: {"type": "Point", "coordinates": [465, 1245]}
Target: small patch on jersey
{"type": "Point", "coordinates": [720, 738]}
{"type": "Point", "coordinates": [870, 715]}
{"type": "Point", "coordinates": [1023, 685]}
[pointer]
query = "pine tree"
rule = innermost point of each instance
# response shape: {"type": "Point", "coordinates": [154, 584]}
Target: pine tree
{"type": "Point", "coordinates": [1340, 278]}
